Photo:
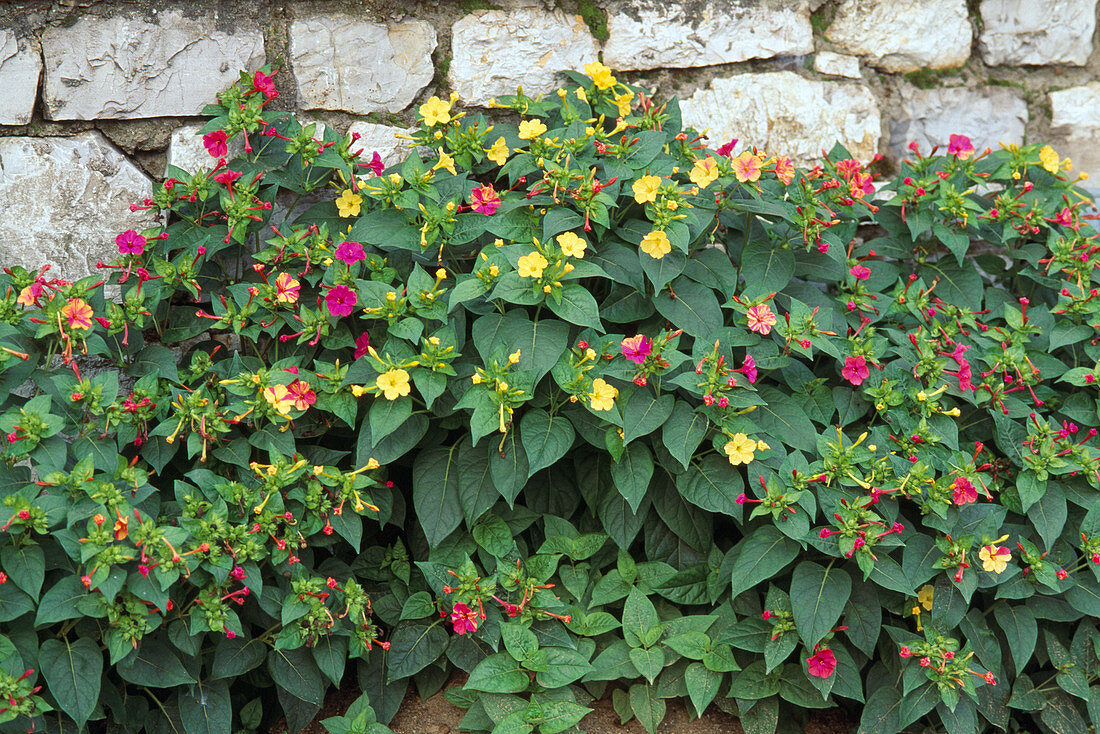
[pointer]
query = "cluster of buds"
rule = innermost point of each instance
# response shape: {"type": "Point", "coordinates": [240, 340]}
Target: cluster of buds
{"type": "Point", "coordinates": [719, 379]}
{"type": "Point", "coordinates": [945, 664]}
{"type": "Point", "coordinates": [647, 354]}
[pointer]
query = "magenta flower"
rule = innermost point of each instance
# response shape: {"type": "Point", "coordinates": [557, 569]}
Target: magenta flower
{"type": "Point", "coordinates": [227, 177]}
{"type": "Point", "coordinates": [362, 345]}
{"type": "Point", "coordinates": [350, 252]}
{"type": "Point", "coordinates": [464, 619]}
{"type": "Point", "coordinates": [216, 143]}
{"type": "Point", "coordinates": [855, 370]}
{"type": "Point", "coordinates": [130, 243]}
{"type": "Point", "coordinates": [822, 663]}
{"type": "Point", "coordinates": [340, 300]}
{"type": "Point", "coordinates": [748, 369]}
{"type": "Point", "coordinates": [637, 348]}
{"type": "Point", "coordinates": [963, 491]}
{"type": "Point", "coordinates": [376, 164]}
{"type": "Point", "coordinates": [726, 149]}
{"type": "Point", "coordinates": [960, 147]}
{"type": "Point", "coordinates": [484, 200]}
{"type": "Point", "coordinates": [861, 272]}
{"type": "Point", "coordinates": [264, 85]}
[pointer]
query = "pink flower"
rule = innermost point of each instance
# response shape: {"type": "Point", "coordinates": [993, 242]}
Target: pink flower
{"type": "Point", "coordinates": [905, 652]}
{"type": "Point", "coordinates": [855, 370]}
{"type": "Point", "coordinates": [484, 200]}
{"type": "Point", "coordinates": [761, 319]}
{"type": "Point", "coordinates": [216, 143]}
{"type": "Point", "coordinates": [350, 252]}
{"type": "Point", "coordinates": [237, 573]}
{"type": "Point", "coordinates": [227, 177]}
{"type": "Point", "coordinates": [726, 149]}
{"type": "Point", "coordinates": [464, 619]}
{"type": "Point", "coordinates": [748, 369]}
{"type": "Point", "coordinates": [130, 243]}
{"type": "Point", "coordinates": [960, 147]}
{"type": "Point", "coordinates": [362, 342]}
{"type": "Point", "coordinates": [376, 164]}
{"type": "Point", "coordinates": [860, 272]}
{"type": "Point", "coordinates": [964, 491]}
{"type": "Point", "coordinates": [637, 348]}
{"type": "Point", "coordinates": [263, 84]}
{"type": "Point", "coordinates": [822, 663]}
{"type": "Point", "coordinates": [340, 300]}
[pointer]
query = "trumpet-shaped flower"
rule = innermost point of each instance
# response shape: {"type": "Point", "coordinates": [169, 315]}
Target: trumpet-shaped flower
{"type": "Point", "coordinates": [740, 449]}
{"type": "Point", "coordinates": [761, 319]}
{"type": "Point", "coordinates": [637, 348]}
{"type": "Point", "coordinates": [349, 203]}
{"type": "Point", "coordinates": [645, 189]}
{"type": "Point", "coordinates": [531, 129]}
{"type": "Point", "coordinates": [393, 384]}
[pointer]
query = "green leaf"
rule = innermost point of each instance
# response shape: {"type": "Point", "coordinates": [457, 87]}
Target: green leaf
{"type": "Point", "coordinates": [153, 664]}
{"type": "Point", "coordinates": [649, 709]}
{"type": "Point", "coordinates": [498, 673]}
{"type": "Point", "coordinates": [762, 718]}
{"type": "Point", "coordinates": [1021, 632]}
{"type": "Point", "coordinates": [435, 493]}
{"type": "Point", "coordinates": [60, 601]}
{"type": "Point", "coordinates": [694, 309]}
{"type": "Point", "coordinates": [508, 465]}
{"type": "Point", "coordinates": [755, 682]}
{"type": "Point", "coordinates": [766, 268]}
{"type": "Point", "coordinates": [1060, 714]}
{"type": "Point", "coordinates": [205, 708]}
{"type": "Point", "coordinates": [639, 616]}
{"type": "Point", "coordinates": [545, 438]}
{"type": "Point", "coordinates": [632, 474]}
{"type": "Point", "coordinates": [764, 554]}
{"type": "Point", "coordinates": [711, 485]}
{"type": "Point", "coordinates": [476, 490]}
{"type": "Point", "coordinates": [784, 419]}
{"type": "Point", "coordinates": [644, 413]}
{"type": "Point", "coordinates": [684, 430]}
{"type": "Point", "coordinates": [540, 343]}
{"type": "Point", "coordinates": [702, 685]}
{"type": "Point", "coordinates": [297, 673]}
{"type": "Point", "coordinates": [882, 714]}
{"type": "Point", "coordinates": [564, 666]}
{"type": "Point", "coordinates": [1085, 596]}
{"type": "Point", "coordinates": [818, 596]}
{"type": "Point", "coordinates": [73, 675]}
{"type": "Point", "coordinates": [25, 566]}
{"type": "Point", "coordinates": [577, 306]}
{"type": "Point", "coordinates": [493, 534]}
{"type": "Point", "coordinates": [557, 716]}
{"type": "Point", "coordinates": [236, 657]}
{"type": "Point", "coordinates": [414, 647]}
{"type": "Point", "coordinates": [386, 416]}
{"type": "Point", "coordinates": [648, 662]}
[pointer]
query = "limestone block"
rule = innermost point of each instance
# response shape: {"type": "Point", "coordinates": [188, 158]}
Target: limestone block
{"type": "Point", "coordinates": [380, 138]}
{"type": "Point", "coordinates": [827, 62]}
{"type": "Point", "coordinates": [127, 67]}
{"type": "Point", "coordinates": [652, 34]}
{"type": "Point", "coordinates": [20, 65]}
{"type": "Point", "coordinates": [784, 114]}
{"type": "Point", "coordinates": [65, 200]}
{"type": "Point", "coordinates": [345, 63]}
{"type": "Point", "coordinates": [987, 116]}
{"type": "Point", "coordinates": [496, 51]}
{"type": "Point", "coordinates": [1075, 126]}
{"type": "Point", "coordinates": [904, 35]}
{"type": "Point", "coordinates": [1018, 32]}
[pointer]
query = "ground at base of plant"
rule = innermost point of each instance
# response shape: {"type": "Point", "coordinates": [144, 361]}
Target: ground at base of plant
{"type": "Point", "coordinates": [437, 715]}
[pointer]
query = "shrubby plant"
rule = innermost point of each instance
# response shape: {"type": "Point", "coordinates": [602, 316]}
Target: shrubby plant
{"type": "Point", "coordinates": [574, 406]}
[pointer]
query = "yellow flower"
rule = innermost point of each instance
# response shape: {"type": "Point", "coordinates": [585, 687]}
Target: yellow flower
{"type": "Point", "coordinates": [531, 129]}
{"type": "Point", "coordinates": [994, 558]}
{"type": "Point", "coordinates": [279, 398]}
{"type": "Point", "coordinates": [645, 189]}
{"type": "Point", "coordinates": [393, 384]}
{"type": "Point", "coordinates": [513, 358]}
{"type": "Point", "coordinates": [530, 266]}
{"type": "Point", "coordinates": [600, 74]}
{"type": "Point", "coordinates": [435, 112]}
{"type": "Point", "coordinates": [761, 446]}
{"type": "Point", "coordinates": [349, 203]}
{"type": "Point", "coordinates": [656, 244]}
{"type": "Point", "coordinates": [704, 172]}
{"type": "Point", "coordinates": [622, 101]}
{"type": "Point", "coordinates": [602, 396]}
{"type": "Point", "coordinates": [581, 95]}
{"type": "Point", "coordinates": [1049, 159]}
{"type": "Point", "coordinates": [498, 153]}
{"type": "Point", "coordinates": [924, 596]}
{"type": "Point", "coordinates": [571, 245]}
{"type": "Point", "coordinates": [446, 162]}
{"type": "Point", "coordinates": [740, 449]}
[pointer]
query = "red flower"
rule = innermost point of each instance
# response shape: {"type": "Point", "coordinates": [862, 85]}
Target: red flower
{"type": "Point", "coordinates": [340, 300]}
{"type": "Point", "coordinates": [822, 663]}
{"type": "Point", "coordinates": [362, 344]}
{"type": "Point", "coordinates": [216, 143]}
{"type": "Point", "coordinates": [227, 177]}
{"type": "Point", "coordinates": [855, 370]}
{"type": "Point", "coordinates": [130, 243]}
{"type": "Point", "coordinates": [350, 252]}
{"type": "Point", "coordinates": [464, 619]}
{"type": "Point", "coordinates": [861, 272]}
{"type": "Point", "coordinates": [726, 149]}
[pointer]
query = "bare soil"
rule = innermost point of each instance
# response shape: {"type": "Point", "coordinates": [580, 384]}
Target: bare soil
{"type": "Point", "coordinates": [436, 715]}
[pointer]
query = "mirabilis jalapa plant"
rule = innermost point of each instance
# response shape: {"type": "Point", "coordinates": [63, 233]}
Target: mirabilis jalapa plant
{"type": "Point", "coordinates": [572, 404]}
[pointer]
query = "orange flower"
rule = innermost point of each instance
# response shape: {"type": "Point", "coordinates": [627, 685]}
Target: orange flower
{"type": "Point", "coordinates": [122, 528]}
{"type": "Point", "coordinates": [78, 314]}
{"type": "Point", "coordinates": [286, 288]}
{"type": "Point", "coordinates": [300, 395]}
{"type": "Point", "coordinates": [747, 167]}
{"type": "Point", "coordinates": [784, 170]}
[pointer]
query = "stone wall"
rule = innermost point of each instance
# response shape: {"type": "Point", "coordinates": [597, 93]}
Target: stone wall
{"type": "Point", "coordinates": [96, 96]}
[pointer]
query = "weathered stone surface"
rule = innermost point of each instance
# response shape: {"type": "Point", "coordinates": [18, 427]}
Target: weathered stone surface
{"type": "Point", "coordinates": [987, 116]}
{"type": "Point", "coordinates": [904, 35]}
{"type": "Point", "coordinates": [827, 62]}
{"type": "Point", "coordinates": [186, 151]}
{"type": "Point", "coordinates": [342, 62]}
{"type": "Point", "coordinates": [20, 65]}
{"type": "Point", "coordinates": [1018, 32]}
{"type": "Point", "coordinates": [65, 199]}
{"type": "Point", "coordinates": [1075, 126]}
{"type": "Point", "coordinates": [784, 114]}
{"type": "Point", "coordinates": [126, 67]}
{"type": "Point", "coordinates": [381, 138]}
{"type": "Point", "coordinates": [653, 34]}
{"type": "Point", "coordinates": [495, 51]}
